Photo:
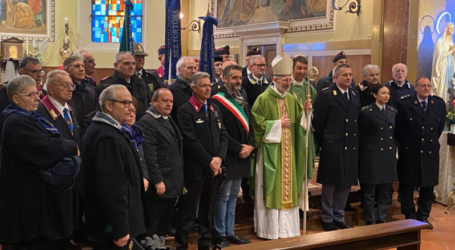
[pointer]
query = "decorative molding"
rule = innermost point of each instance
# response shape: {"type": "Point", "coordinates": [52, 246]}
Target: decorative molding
{"type": "Point", "coordinates": [49, 37]}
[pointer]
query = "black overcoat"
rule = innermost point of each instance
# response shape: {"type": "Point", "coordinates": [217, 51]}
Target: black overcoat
{"type": "Point", "coordinates": [417, 133]}
{"type": "Point", "coordinates": [27, 208]}
{"type": "Point", "coordinates": [235, 166]}
{"type": "Point", "coordinates": [336, 130]}
{"type": "Point", "coordinates": [181, 92]}
{"type": "Point", "coordinates": [204, 137]}
{"type": "Point", "coordinates": [115, 203]}
{"type": "Point", "coordinates": [378, 160]}
{"type": "Point", "coordinates": [253, 90]}
{"type": "Point", "coordinates": [163, 153]}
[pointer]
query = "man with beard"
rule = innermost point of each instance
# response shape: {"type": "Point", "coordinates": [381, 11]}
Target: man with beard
{"type": "Point", "coordinates": [365, 87]}
{"type": "Point", "coordinates": [277, 124]}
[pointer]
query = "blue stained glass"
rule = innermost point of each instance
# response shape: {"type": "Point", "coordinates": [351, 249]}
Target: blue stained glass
{"type": "Point", "coordinates": [107, 20]}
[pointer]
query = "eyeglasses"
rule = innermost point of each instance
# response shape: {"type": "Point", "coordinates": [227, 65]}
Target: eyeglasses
{"type": "Point", "coordinates": [67, 86]}
{"type": "Point", "coordinates": [41, 72]}
{"type": "Point", "coordinates": [260, 65]}
{"type": "Point", "coordinates": [90, 61]}
{"type": "Point", "coordinates": [126, 104]}
{"type": "Point", "coordinates": [425, 85]}
{"type": "Point", "coordinates": [31, 95]}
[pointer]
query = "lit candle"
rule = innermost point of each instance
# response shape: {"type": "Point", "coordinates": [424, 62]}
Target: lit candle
{"type": "Point", "coordinates": [66, 20]}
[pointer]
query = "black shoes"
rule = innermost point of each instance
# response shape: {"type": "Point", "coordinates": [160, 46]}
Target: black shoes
{"type": "Point", "coordinates": [235, 239]}
{"type": "Point", "coordinates": [426, 221]}
{"type": "Point", "coordinates": [329, 226]}
{"type": "Point", "coordinates": [342, 225]}
{"type": "Point", "coordinates": [222, 242]}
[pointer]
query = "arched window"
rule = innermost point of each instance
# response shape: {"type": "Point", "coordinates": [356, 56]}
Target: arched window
{"type": "Point", "coordinates": [107, 20]}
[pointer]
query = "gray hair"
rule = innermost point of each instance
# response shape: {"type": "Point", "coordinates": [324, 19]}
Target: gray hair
{"type": "Point", "coordinates": [109, 94]}
{"type": "Point", "coordinates": [253, 58]}
{"type": "Point", "coordinates": [421, 78]}
{"type": "Point", "coordinates": [70, 60]}
{"type": "Point", "coordinates": [80, 52]}
{"type": "Point", "coordinates": [156, 94]}
{"type": "Point", "coordinates": [118, 56]}
{"type": "Point", "coordinates": [394, 66]}
{"type": "Point", "coordinates": [26, 60]}
{"type": "Point", "coordinates": [17, 84]}
{"type": "Point", "coordinates": [51, 76]}
{"type": "Point", "coordinates": [368, 67]}
{"type": "Point", "coordinates": [181, 63]}
{"type": "Point", "coordinates": [197, 76]}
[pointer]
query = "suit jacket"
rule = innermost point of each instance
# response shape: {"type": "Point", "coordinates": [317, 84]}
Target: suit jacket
{"type": "Point", "coordinates": [163, 153]}
{"type": "Point", "coordinates": [182, 93]}
{"type": "Point", "coordinates": [378, 160]}
{"type": "Point", "coordinates": [418, 134]}
{"type": "Point", "coordinates": [336, 130]}
{"type": "Point", "coordinates": [115, 203]}
{"type": "Point", "coordinates": [204, 137]}
{"type": "Point", "coordinates": [235, 167]}
{"type": "Point", "coordinates": [50, 112]}
{"type": "Point", "coordinates": [397, 93]}
{"type": "Point", "coordinates": [253, 89]}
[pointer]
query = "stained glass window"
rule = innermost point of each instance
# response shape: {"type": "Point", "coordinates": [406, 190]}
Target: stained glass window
{"type": "Point", "coordinates": [107, 20]}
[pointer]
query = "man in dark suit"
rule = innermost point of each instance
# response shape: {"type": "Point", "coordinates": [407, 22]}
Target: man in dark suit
{"type": "Point", "coordinates": [233, 103]}
{"type": "Point", "coordinates": [399, 85]}
{"type": "Point", "coordinates": [328, 80]}
{"type": "Point", "coordinates": [335, 121]}
{"type": "Point", "coordinates": [115, 205]}
{"type": "Point", "coordinates": [420, 122]}
{"type": "Point", "coordinates": [256, 82]}
{"type": "Point", "coordinates": [205, 143]}
{"type": "Point", "coordinates": [164, 158]}
{"type": "Point", "coordinates": [54, 107]}
{"type": "Point", "coordinates": [181, 91]}
{"type": "Point", "coordinates": [124, 74]}
{"type": "Point", "coordinates": [149, 79]}
{"type": "Point", "coordinates": [83, 100]}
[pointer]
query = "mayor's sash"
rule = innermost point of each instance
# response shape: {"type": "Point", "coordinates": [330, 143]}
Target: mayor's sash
{"type": "Point", "coordinates": [234, 108]}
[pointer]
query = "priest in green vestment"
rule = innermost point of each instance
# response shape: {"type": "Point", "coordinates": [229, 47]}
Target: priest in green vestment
{"type": "Point", "coordinates": [280, 138]}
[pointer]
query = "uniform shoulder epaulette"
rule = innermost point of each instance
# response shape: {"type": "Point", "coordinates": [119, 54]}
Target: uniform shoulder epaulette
{"type": "Point", "coordinates": [437, 97]}
{"type": "Point", "coordinates": [404, 97]}
{"type": "Point", "coordinates": [326, 88]}
{"type": "Point", "coordinates": [105, 78]}
{"type": "Point", "coordinates": [391, 108]}
{"type": "Point", "coordinates": [364, 108]}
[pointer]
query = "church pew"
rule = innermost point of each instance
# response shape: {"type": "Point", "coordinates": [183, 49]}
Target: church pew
{"type": "Point", "coordinates": [403, 235]}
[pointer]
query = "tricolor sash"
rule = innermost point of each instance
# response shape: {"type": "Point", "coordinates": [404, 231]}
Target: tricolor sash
{"type": "Point", "coordinates": [235, 109]}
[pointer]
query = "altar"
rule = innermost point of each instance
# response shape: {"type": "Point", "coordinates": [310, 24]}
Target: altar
{"type": "Point", "coordinates": [446, 170]}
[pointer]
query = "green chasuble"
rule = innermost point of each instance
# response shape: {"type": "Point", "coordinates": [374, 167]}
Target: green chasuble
{"type": "Point", "coordinates": [300, 91]}
{"type": "Point", "coordinates": [283, 162]}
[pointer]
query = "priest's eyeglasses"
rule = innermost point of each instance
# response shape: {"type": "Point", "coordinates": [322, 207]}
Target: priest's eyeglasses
{"type": "Point", "coordinates": [126, 104]}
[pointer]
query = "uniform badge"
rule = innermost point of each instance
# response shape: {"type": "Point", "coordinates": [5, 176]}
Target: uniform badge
{"type": "Point", "coordinates": [151, 87]}
{"type": "Point", "coordinates": [432, 102]}
{"type": "Point", "coordinates": [219, 124]}
{"type": "Point", "coordinates": [53, 114]}
{"type": "Point", "coordinates": [334, 92]}
{"type": "Point", "coordinates": [199, 121]}
{"type": "Point", "coordinates": [211, 108]}
{"type": "Point", "coordinates": [219, 86]}
{"type": "Point", "coordinates": [415, 102]}
{"type": "Point", "coordinates": [353, 93]}
{"type": "Point", "coordinates": [196, 108]}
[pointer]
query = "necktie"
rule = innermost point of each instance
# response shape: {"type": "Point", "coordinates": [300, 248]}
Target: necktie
{"type": "Point", "coordinates": [383, 110]}
{"type": "Point", "coordinates": [259, 82]}
{"type": "Point", "coordinates": [424, 105]}
{"type": "Point", "coordinates": [346, 95]}
{"type": "Point", "coordinates": [68, 121]}
{"type": "Point", "coordinates": [139, 74]}
{"type": "Point", "coordinates": [206, 112]}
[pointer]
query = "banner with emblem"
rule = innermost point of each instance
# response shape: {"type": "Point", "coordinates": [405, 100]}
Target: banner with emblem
{"type": "Point", "coordinates": [126, 42]}
{"type": "Point", "coordinates": [208, 47]}
{"type": "Point", "coordinates": [173, 39]}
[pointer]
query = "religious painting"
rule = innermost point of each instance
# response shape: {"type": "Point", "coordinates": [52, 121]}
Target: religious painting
{"type": "Point", "coordinates": [28, 18]}
{"type": "Point", "coordinates": [436, 48]}
{"type": "Point", "coordinates": [232, 13]}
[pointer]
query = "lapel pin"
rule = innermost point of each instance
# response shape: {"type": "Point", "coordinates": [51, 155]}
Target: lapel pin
{"type": "Point", "coordinates": [334, 92]}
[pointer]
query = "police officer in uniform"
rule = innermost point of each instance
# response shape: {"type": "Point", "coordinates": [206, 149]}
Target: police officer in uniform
{"type": "Point", "coordinates": [399, 85]}
{"type": "Point", "coordinates": [205, 143]}
{"type": "Point", "coordinates": [336, 114]}
{"type": "Point", "coordinates": [256, 82]}
{"type": "Point", "coordinates": [378, 161]}
{"type": "Point", "coordinates": [218, 65]}
{"type": "Point", "coordinates": [420, 122]}
{"type": "Point", "coordinates": [150, 79]}
{"type": "Point", "coordinates": [327, 81]}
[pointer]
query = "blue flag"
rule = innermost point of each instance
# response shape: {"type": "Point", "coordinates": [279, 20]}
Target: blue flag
{"type": "Point", "coordinates": [172, 43]}
{"type": "Point", "coordinates": [208, 47]}
{"type": "Point", "coordinates": [126, 42]}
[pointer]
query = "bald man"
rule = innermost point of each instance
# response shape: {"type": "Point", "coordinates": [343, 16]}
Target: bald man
{"type": "Point", "coordinates": [399, 86]}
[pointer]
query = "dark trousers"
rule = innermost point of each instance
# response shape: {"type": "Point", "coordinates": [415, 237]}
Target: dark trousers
{"type": "Point", "coordinates": [333, 201]}
{"type": "Point", "coordinates": [378, 193]}
{"type": "Point", "coordinates": [200, 192]}
{"type": "Point", "coordinates": [40, 243]}
{"type": "Point", "coordinates": [423, 203]}
{"type": "Point", "coordinates": [161, 210]}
